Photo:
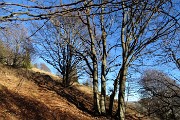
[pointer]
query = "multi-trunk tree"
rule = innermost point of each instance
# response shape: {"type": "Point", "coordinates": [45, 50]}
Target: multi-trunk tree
{"type": "Point", "coordinates": [143, 24]}
{"type": "Point", "coordinates": [140, 25]}
{"type": "Point", "coordinates": [56, 45]}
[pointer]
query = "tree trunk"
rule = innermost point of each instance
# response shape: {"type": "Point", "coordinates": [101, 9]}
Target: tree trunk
{"type": "Point", "coordinates": [103, 70]}
{"type": "Point", "coordinates": [112, 96]}
{"type": "Point", "coordinates": [121, 102]}
{"type": "Point", "coordinates": [67, 66]}
{"type": "Point", "coordinates": [122, 81]}
{"type": "Point", "coordinates": [95, 79]}
{"type": "Point", "coordinates": [95, 76]}
{"type": "Point", "coordinates": [95, 89]}
{"type": "Point", "coordinates": [103, 87]}
{"type": "Point", "coordinates": [95, 67]}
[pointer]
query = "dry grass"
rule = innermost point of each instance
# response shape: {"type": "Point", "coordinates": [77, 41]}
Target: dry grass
{"type": "Point", "coordinates": [55, 77]}
{"type": "Point", "coordinates": [25, 99]}
{"type": "Point", "coordinates": [38, 95]}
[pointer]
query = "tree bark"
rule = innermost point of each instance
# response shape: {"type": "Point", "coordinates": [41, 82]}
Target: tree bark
{"type": "Point", "coordinates": [95, 79]}
{"type": "Point", "coordinates": [95, 67]}
{"type": "Point", "coordinates": [95, 89]}
{"type": "Point", "coordinates": [112, 96]}
{"type": "Point", "coordinates": [121, 102]}
{"type": "Point", "coordinates": [122, 81]}
{"type": "Point", "coordinates": [103, 67]}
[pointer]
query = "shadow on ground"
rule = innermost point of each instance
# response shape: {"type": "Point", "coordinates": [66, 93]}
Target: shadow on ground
{"type": "Point", "coordinates": [26, 108]}
{"type": "Point", "coordinates": [23, 107]}
{"type": "Point", "coordinates": [81, 100]}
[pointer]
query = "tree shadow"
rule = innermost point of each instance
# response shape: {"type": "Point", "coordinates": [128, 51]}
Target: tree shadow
{"type": "Point", "coordinates": [24, 107]}
{"type": "Point", "coordinates": [81, 100]}
{"type": "Point", "coordinates": [78, 98]}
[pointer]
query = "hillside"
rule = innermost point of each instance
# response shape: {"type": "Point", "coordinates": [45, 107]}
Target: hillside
{"type": "Point", "coordinates": [37, 95]}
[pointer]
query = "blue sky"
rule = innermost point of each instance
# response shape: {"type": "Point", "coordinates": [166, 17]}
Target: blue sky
{"type": "Point", "coordinates": [169, 68]}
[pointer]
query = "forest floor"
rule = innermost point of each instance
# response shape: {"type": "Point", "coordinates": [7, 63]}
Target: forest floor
{"type": "Point", "coordinates": [37, 95]}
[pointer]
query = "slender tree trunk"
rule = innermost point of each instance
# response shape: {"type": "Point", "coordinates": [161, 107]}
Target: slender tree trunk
{"type": "Point", "coordinates": [64, 68]}
{"type": "Point", "coordinates": [112, 96]}
{"type": "Point", "coordinates": [67, 65]}
{"type": "Point", "coordinates": [64, 80]}
{"type": "Point", "coordinates": [95, 89]}
{"type": "Point", "coordinates": [121, 95]}
{"type": "Point", "coordinates": [122, 81]}
{"type": "Point", "coordinates": [95, 80]}
{"type": "Point", "coordinates": [95, 67]}
{"type": "Point", "coordinates": [103, 70]}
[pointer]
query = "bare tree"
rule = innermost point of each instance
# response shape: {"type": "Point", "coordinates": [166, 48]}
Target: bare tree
{"type": "Point", "coordinates": [60, 41]}
{"type": "Point", "coordinates": [97, 52]}
{"type": "Point", "coordinates": [137, 22]}
{"type": "Point", "coordinates": [103, 66]}
{"type": "Point", "coordinates": [95, 62]}
{"type": "Point", "coordinates": [18, 50]}
{"type": "Point", "coordinates": [161, 92]}
{"type": "Point", "coordinates": [141, 25]}
{"type": "Point", "coordinates": [171, 50]}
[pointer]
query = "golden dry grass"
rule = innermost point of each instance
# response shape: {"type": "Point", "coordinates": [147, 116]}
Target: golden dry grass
{"type": "Point", "coordinates": [55, 77]}
{"type": "Point", "coordinates": [37, 95]}
{"type": "Point", "coordinates": [23, 92]}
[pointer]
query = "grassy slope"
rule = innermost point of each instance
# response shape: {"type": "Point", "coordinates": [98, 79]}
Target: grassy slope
{"type": "Point", "coordinates": [37, 95]}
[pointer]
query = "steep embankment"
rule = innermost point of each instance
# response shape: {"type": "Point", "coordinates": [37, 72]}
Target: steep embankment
{"type": "Point", "coordinates": [37, 95]}
{"type": "Point", "coordinates": [25, 95]}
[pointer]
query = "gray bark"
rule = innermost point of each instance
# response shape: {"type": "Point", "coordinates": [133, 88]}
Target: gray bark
{"type": "Point", "coordinates": [121, 96]}
{"type": "Point", "coordinates": [95, 67]}
{"type": "Point", "coordinates": [123, 70]}
{"type": "Point", "coordinates": [103, 70]}
{"type": "Point", "coordinates": [112, 96]}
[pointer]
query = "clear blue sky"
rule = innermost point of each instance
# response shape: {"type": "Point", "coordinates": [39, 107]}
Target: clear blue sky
{"type": "Point", "coordinates": [168, 68]}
